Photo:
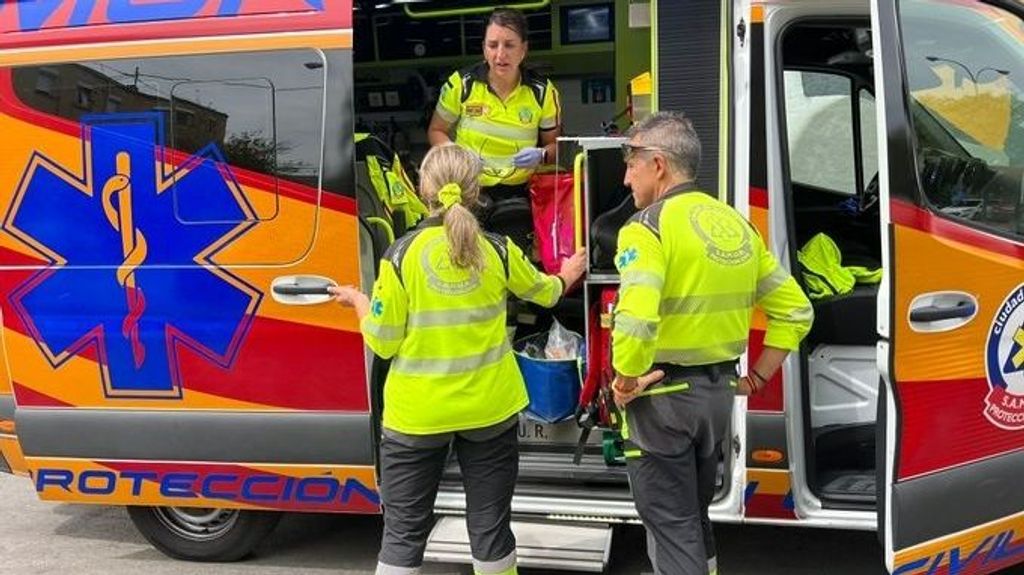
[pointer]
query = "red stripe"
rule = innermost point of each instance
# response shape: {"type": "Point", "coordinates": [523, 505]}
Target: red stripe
{"type": "Point", "coordinates": [12, 105]}
{"type": "Point", "coordinates": [759, 197]}
{"type": "Point", "coordinates": [912, 216]}
{"type": "Point", "coordinates": [255, 18]}
{"type": "Point", "coordinates": [287, 365]}
{"type": "Point", "coordinates": [770, 398]}
{"type": "Point", "coordinates": [28, 397]}
{"type": "Point", "coordinates": [768, 507]}
{"type": "Point", "coordinates": [944, 425]}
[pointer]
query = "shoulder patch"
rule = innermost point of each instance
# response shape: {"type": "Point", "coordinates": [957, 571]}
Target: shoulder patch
{"type": "Point", "coordinates": [396, 251]}
{"type": "Point", "coordinates": [650, 218]}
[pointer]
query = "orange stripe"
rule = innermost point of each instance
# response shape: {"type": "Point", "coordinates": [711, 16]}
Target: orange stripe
{"type": "Point", "coordinates": [916, 352]}
{"type": "Point", "coordinates": [769, 481]}
{"type": "Point", "coordinates": [325, 40]}
{"type": "Point", "coordinates": [11, 450]}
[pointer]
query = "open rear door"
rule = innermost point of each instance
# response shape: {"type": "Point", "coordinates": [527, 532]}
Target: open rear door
{"type": "Point", "coordinates": [950, 84]}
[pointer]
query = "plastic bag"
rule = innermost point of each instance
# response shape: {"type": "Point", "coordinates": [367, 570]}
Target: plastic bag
{"type": "Point", "coordinates": [562, 343]}
{"type": "Point", "coordinates": [553, 218]}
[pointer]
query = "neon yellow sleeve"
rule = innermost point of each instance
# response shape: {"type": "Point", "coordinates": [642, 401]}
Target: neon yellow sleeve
{"type": "Point", "coordinates": [641, 263]}
{"type": "Point", "coordinates": [449, 103]}
{"type": "Point", "coordinates": [551, 108]}
{"type": "Point", "coordinates": [384, 327]}
{"type": "Point", "coordinates": [789, 312]}
{"type": "Point", "coordinates": [527, 282]}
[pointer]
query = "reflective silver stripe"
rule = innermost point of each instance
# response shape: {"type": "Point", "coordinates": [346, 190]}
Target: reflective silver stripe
{"type": "Point", "coordinates": [445, 114]}
{"type": "Point", "coordinates": [800, 315]}
{"type": "Point", "coordinates": [642, 329]}
{"type": "Point", "coordinates": [772, 282]}
{"type": "Point", "coordinates": [549, 123]}
{"type": "Point", "coordinates": [464, 316]}
{"type": "Point", "coordinates": [696, 304]}
{"type": "Point", "coordinates": [384, 332]}
{"type": "Point", "coordinates": [642, 278]}
{"type": "Point", "coordinates": [500, 567]}
{"type": "Point", "coordinates": [527, 135]}
{"type": "Point", "coordinates": [450, 365]}
{"type": "Point", "coordinates": [536, 288]}
{"type": "Point", "coordinates": [385, 569]}
{"type": "Point", "coordinates": [701, 355]}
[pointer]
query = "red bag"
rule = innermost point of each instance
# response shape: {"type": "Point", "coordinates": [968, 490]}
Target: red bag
{"type": "Point", "coordinates": [551, 202]}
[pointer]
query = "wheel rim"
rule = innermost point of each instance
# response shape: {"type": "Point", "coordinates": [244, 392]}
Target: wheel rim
{"type": "Point", "coordinates": [197, 523]}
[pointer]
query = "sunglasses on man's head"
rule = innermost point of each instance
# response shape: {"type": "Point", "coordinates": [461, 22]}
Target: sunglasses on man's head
{"type": "Point", "coordinates": [630, 150]}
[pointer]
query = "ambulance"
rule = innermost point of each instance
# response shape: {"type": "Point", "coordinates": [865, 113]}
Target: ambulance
{"type": "Point", "coordinates": [180, 179]}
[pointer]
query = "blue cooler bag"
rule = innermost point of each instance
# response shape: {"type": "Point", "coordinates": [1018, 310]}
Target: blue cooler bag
{"type": "Point", "coordinates": [552, 384]}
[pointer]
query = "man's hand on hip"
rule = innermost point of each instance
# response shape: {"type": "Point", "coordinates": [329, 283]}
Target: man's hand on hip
{"type": "Point", "coordinates": [626, 389]}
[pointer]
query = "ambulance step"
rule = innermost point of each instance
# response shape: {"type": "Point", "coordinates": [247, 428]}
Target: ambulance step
{"type": "Point", "coordinates": [550, 545]}
{"type": "Point", "coordinates": [557, 467]}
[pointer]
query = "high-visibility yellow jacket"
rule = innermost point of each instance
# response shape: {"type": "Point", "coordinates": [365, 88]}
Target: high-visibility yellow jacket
{"type": "Point", "coordinates": [692, 269]}
{"type": "Point", "coordinates": [496, 129]}
{"type": "Point", "coordinates": [453, 367]}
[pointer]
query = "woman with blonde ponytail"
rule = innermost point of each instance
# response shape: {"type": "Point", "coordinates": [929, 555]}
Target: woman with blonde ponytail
{"type": "Point", "coordinates": [438, 310]}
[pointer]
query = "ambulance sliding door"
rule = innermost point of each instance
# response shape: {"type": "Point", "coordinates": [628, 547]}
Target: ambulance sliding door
{"type": "Point", "coordinates": [153, 194]}
{"type": "Point", "coordinates": [950, 78]}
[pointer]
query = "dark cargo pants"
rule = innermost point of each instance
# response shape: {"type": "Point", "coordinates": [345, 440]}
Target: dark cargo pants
{"type": "Point", "coordinates": [411, 469]}
{"type": "Point", "coordinates": [674, 436]}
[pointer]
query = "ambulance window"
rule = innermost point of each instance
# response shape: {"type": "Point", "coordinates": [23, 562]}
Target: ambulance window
{"type": "Point", "coordinates": [819, 125]}
{"type": "Point", "coordinates": [966, 81]}
{"type": "Point", "coordinates": [262, 112]}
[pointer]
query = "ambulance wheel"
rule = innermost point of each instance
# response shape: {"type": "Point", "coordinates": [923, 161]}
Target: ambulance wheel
{"type": "Point", "coordinates": [203, 534]}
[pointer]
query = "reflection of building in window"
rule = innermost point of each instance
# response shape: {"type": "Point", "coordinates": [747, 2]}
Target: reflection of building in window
{"type": "Point", "coordinates": [46, 82]}
{"type": "Point", "coordinates": [84, 97]}
{"type": "Point", "coordinates": [72, 90]}
{"type": "Point", "coordinates": [183, 119]}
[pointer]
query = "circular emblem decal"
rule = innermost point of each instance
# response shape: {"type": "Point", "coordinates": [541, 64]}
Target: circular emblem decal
{"type": "Point", "coordinates": [443, 276]}
{"type": "Point", "coordinates": [525, 115]}
{"type": "Point", "coordinates": [1004, 364]}
{"type": "Point", "coordinates": [726, 237]}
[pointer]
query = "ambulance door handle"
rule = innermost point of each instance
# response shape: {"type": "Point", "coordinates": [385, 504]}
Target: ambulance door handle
{"type": "Point", "coordinates": [301, 290]}
{"type": "Point", "coordinates": [942, 311]}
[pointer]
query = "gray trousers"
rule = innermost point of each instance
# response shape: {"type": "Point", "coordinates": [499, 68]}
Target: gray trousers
{"type": "Point", "coordinates": [672, 451]}
{"type": "Point", "coordinates": [411, 470]}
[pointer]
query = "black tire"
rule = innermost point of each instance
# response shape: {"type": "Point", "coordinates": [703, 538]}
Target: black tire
{"type": "Point", "coordinates": [203, 534]}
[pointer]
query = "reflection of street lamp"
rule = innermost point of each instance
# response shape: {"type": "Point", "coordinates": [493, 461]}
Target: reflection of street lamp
{"type": "Point", "coordinates": [972, 75]}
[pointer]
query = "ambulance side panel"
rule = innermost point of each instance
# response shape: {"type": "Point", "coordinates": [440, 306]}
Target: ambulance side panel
{"type": "Point", "coordinates": [163, 165]}
{"type": "Point", "coordinates": [950, 85]}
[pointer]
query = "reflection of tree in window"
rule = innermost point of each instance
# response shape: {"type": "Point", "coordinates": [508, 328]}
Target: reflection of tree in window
{"type": "Point", "coordinates": [253, 151]}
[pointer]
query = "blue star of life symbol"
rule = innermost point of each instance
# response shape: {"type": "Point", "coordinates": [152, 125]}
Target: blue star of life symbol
{"type": "Point", "coordinates": [130, 243]}
{"type": "Point", "coordinates": [376, 307]}
{"type": "Point", "coordinates": [627, 257]}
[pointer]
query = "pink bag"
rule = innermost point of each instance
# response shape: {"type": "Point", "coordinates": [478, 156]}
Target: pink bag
{"type": "Point", "coordinates": [551, 202]}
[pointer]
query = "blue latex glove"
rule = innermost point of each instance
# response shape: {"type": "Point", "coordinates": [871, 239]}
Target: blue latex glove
{"type": "Point", "coordinates": [528, 157]}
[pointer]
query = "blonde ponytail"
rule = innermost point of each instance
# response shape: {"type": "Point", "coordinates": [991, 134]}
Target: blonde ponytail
{"type": "Point", "coordinates": [449, 183]}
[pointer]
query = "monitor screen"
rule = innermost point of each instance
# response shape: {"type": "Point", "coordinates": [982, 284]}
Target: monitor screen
{"type": "Point", "coordinates": [582, 24]}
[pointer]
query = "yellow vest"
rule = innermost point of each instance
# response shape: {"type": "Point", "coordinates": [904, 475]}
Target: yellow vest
{"type": "Point", "coordinates": [692, 269]}
{"type": "Point", "coordinates": [453, 367]}
{"type": "Point", "coordinates": [497, 129]}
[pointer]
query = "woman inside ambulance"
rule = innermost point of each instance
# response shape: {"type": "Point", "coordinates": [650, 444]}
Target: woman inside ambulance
{"type": "Point", "coordinates": [438, 309]}
{"type": "Point", "coordinates": [502, 112]}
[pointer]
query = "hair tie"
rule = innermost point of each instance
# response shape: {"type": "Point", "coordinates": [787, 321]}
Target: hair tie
{"type": "Point", "coordinates": [449, 195]}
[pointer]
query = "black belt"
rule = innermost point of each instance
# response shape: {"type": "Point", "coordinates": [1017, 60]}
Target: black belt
{"type": "Point", "coordinates": [711, 370]}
